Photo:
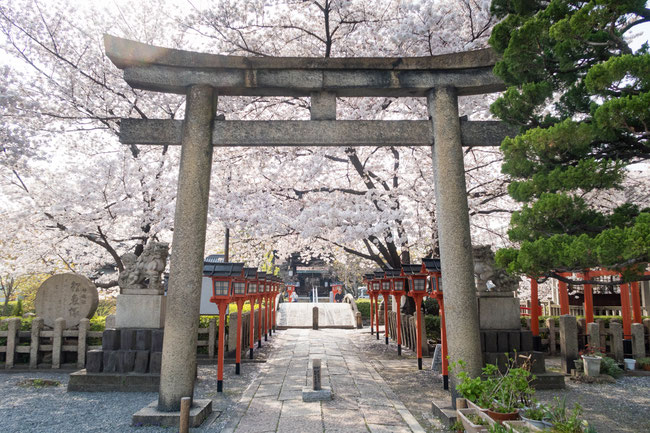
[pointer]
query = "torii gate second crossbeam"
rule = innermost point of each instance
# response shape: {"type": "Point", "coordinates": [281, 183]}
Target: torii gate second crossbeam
{"type": "Point", "coordinates": [201, 77]}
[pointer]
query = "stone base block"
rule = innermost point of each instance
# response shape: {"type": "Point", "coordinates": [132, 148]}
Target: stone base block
{"type": "Point", "coordinates": [549, 381]}
{"type": "Point", "coordinates": [498, 312]}
{"type": "Point", "coordinates": [443, 410]}
{"type": "Point", "coordinates": [83, 381]}
{"type": "Point", "coordinates": [140, 311]}
{"type": "Point", "coordinates": [150, 415]}
{"type": "Point", "coordinates": [323, 394]}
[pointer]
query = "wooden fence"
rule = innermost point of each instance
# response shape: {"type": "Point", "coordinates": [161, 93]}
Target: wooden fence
{"type": "Point", "coordinates": [42, 343]}
{"type": "Point", "coordinates": [409, 330]}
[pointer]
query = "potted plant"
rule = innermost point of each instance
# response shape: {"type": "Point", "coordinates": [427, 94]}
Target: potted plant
{"type": "Point", "coordinates": [644, 363]}
{"type": "Point", "coordinates": [500, 394]}
{"type": "Point", "coordinates": [591, 357]}
{"type": "Point", "coordinates": [536, 415]}
{"type": "Point", "coordinates": [474, 421]}
{"type": "Point", "coordinates": [567, 421]}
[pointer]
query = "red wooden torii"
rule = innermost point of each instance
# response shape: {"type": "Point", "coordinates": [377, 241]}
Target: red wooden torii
{"type": "Point", "coordinates": [629, 295]}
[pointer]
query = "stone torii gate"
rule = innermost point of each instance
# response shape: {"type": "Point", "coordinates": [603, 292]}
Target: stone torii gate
{"type": "Point", "coordinates": [202, 77]}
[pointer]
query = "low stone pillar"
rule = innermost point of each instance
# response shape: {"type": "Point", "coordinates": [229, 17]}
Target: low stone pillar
{"type": "Point", "coordinates": [552, 342]}
{"type": "Point", "coordinates": [84, 325]}
{"type": "Point", "coordinates": [37, 327]}
{"type": "Point", "coordinates": [315, 318]}
{"type": "Point", "coordinates": [616, 340]}
{"type": "Point", "coordinates": [359, 320]}
{"type": "Point", "coordinates": [57, 342]}
{"type": "Point", "coordinates": [568, 342]}
{"type": "Point", "coordinates": [316, 376]}
{"type": "Point", "coordinates": [638, 341]}
{"type": "Point", "coordinates": [231, 338]}
{"type": "Point", "coordinates": [646, 325]}
{"type": "Point", "coordinates": [13, 326]}
{"type": "Point", "coordinates": [212, 337]}
{"type": "Point", "coordinates": [593, 335]}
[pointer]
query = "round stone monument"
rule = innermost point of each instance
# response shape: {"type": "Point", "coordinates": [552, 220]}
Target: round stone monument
{"type": "Point", "coordinates": [70, 296]}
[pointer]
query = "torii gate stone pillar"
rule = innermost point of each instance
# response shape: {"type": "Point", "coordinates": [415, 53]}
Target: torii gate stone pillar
{"type": "Point", "coordinates": [461, 311]}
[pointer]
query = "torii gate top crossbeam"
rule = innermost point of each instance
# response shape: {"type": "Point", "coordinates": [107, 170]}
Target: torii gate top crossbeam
{"type": "Point", "coordinates": [173, 71]}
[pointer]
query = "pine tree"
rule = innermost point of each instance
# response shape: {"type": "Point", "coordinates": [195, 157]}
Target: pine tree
{"type": "Point", "coordinates": [580, 95]}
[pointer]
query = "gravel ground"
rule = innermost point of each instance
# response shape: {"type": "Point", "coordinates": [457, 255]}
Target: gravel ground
{"type": "Point", "coordinates": [623, 406]}
{"type": "Point", "coordinates": [29, 409]}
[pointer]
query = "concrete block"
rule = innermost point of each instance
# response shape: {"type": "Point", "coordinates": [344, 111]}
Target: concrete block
{"type": "Point", "coordinates": [526, 341]}
{"type": "Point", "coordinates": [94, 360]}
{"type": "Point", "coordinates": [491, 341]}
{"type": "Point", "coordinates": [155, 362]}
{"type": "Point", "coordinates": [482, 341]}
{"type": "Point", "coordinates": [141, 364]}
{"type": "Point", "coordinates": [140, 311]}
{"type": "Point", "coordinates": [157, 336]}
{"type": "Point", "coordinates": [111, 339]}
{"type": "Point", "coordinates": [323, 394]}
{"type": "Point", "coordinates": [616, 340]}
{"type": "Point", "coordinates": [143, 339]}
{"type": "Point", "coordinates": [638, 340]}
{"type": "Point", "coordinates": [538, 365]}
{"type": "Point", "coordinates": [127, 339]}
{"type": "Point", "coordinates": [150, 415]}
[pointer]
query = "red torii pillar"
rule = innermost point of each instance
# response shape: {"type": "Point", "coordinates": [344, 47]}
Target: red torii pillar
{"type": "Point", "coordinates": [564, 296]}
{"type": "Point", "coordinates": [534, 308]}
{"type": "Point", "coordinates": [636, 302]}
{"type": "Point", "coordinates": [589, 298]}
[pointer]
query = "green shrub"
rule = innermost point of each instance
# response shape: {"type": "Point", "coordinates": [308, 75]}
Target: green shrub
{"type": "Point", "coordinates": [363, 305]}
{"type": "Point", "coordinates": [431, 306]}
{"type": "Point", "coordinates": [18, 308]}
{"type": "Point", "coordinates": [610, 366]}
{"type": "Point", "coordinates": [432, 326]}
{"type": "Point", "coordinates": [106, 307]}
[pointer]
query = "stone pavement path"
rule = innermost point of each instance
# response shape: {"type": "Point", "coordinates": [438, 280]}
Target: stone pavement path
{"type": "Point", "coordinates": [299, 314]}
{"type": "Point", "coordinates": [362, 401]}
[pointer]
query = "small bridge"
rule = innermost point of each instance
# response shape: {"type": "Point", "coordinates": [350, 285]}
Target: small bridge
{"type": "Point", "coordinates": [300, 315]}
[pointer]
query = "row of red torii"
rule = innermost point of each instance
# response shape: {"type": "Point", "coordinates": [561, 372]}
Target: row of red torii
{"type": "Point", "coordinates": [630, 299]}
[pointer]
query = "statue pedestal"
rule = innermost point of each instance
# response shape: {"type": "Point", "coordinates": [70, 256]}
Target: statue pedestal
{"type": "Point", "coordinates": [498, 311]}
{"type": "Point", "coordinates": [140, 311]}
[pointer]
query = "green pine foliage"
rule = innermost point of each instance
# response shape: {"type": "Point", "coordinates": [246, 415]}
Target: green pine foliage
{"type": "Point", "coordinates": [580, 96]}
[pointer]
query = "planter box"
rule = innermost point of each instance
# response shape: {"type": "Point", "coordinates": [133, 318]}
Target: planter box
{"type": "Point", "coordinates": [592, 365]}
{"type": "Point", "coordinates": [469, 426]}
{"type": "Point", "coordinates": [521, 426]}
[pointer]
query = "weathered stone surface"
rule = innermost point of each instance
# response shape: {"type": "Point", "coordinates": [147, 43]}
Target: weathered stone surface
{"type": "Point", "coordinates": [453, 226]}
{"type": "Point", "coordinates": [148, 67]}
{"type": "Point", "coordinates": [127, 339]}
{"type": "Point", "coordinates": [491, 341]}
{"type": "Point", "coordinates": [311, 395]}
{"type": "Point", "coordinates": [111, 360]}
{"type": "Point", "coordinates": [616, 340]}
{"type": "Point", "coordinates": [70, 296]}
{"type": "Point", "coordinates": [150, 415]}
{"type": "Point", "coordinates": [157, 338]}
{"type": "Point", "coordinates": [638, 343]}
{"type": "Point", "coordinates": [127, 361]}
{"type": "Point", "coordinates": [155, 361]}
{"type": "Point", "coordinates": [141, 364]}
{"type": "Point", "coordinates": [314, 133]}
{"type": "Point", "coordinates": [526, 341]}
{"type": "Point", "coordinates": [143, 339]}
{"type": "Point", "coordinates": [503, 340]}
{"type": "Point", "coordinates": [498, 312]}
{"type": "Point", "coordinates": [514, 341]}
{"type": "Point", "coordinates": [140, 311]}
{"type": "Point", "coordinates": [94, 361]}
{"type": "Point", "coordinates": [568, 342]}
{"type": "Point", "coordinates": [111, 339]}
{"type": "Point", "coordinates": [186, 264]}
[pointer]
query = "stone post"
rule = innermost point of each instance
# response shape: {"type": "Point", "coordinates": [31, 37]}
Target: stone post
{"type": "Point", "coordinates": [552, 343]}
{"type": "Point", "coordinates": [316, 374]}
{"type": "Point", "coordinates": [616, 340]}
{"type": "Point", "coordinates": [568, 342]}
{"type": "Point", "coordinates": [84, 325]}
{"type": "Point", "coordinates": [212, 337]}
{"type": "Point", "coordinates": [57, 342]}
{"type": "Point", "coordinates": [646, 325]}
{"type": "Point", "coordinates": [188, 246]}
{"type": "Point", "coordinates": [453, 227]}
{"type": "Point", "coordinates": [13, 327]}
{"type": "Point", "coordinates": [315, 318]}
{"type": "Point", "coordinates": [425, 342]}
{"type": "Point", "coordinates": [37, 326]}
{"type": "Point", "coordinates": [638, 341]}
{"type": "Point", "coordinates": [593, 335]}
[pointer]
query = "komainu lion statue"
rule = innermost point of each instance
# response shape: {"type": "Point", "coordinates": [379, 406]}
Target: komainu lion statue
{"type": "Point", "coordinates": [144, 272]}
{"type": "Point", "coordinates": [488, 276]}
